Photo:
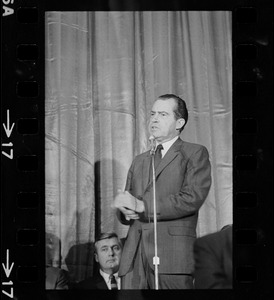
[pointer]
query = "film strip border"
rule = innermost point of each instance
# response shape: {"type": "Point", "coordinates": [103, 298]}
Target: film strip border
{"type": "Point", "coordinates": [252, 153]}
{"type": "Point", "coordinates": [22, 203]}
{"type": "Point", "coordinates": [22, 149]}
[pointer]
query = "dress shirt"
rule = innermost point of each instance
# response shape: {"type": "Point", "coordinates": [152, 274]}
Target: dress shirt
{"type": "Point", "coordinates": [107, 280]}
{"type": "Point", "coordinates": [167, 145]}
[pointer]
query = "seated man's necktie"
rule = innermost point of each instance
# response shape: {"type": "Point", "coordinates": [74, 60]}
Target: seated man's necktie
{"type": "Point", "coordinates": [113, 282]}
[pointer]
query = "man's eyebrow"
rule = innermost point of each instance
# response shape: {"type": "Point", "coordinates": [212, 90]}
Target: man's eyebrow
{"type": "Point", "coordinates": [103, 246]}
{"type": "Point", "coordinates": [160, 111]}
{"type": "Point", "coordinates": [114, 245]}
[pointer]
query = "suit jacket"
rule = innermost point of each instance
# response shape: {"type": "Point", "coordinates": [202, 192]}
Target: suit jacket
{"type": "Point", "coordinates": [182, 184]}
{"type": "Point", "coordinates": [96, 282]}
{"type": "Point", "coordinates": [56, 279]}
{"type": "Point", "coordinates": [213, 260]}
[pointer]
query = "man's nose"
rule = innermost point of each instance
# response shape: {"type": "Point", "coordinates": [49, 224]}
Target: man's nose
{"type": "Point", "coordinates": [155, 118]}
{"type": "Point", "coordinates": [111, 252]}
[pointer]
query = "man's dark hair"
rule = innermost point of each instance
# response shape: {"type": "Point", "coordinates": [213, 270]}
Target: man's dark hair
{"type": "Point", "coordinates": [181, 109]}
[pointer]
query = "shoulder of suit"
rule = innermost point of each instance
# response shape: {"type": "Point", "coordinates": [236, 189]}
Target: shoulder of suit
{"type": "Point", "coordinates": [188, 149]}
{"type": "Point", "coordinates": [88, 282]}
{"type": "Point", "coordinates": [183, 146]}
{"type": "Point", "coordinates": [141, 156]}
{"type": "Point", "coordinates": [215, 237]}
{"type": "Point", "coordinates": [190, 146]}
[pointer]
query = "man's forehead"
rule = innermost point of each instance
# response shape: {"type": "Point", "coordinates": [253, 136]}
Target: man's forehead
{"type": "Point", "coordinates": [164, 105]}
{"type": "Point", "coordinates": [108, 242]}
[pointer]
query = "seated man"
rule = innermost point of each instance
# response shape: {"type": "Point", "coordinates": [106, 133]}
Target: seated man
{"type": "Point", "coordinates": [108, 251]}
{"type": "Point", "coordinates": [56, 278]}
{"type": "Point", "coordinates": [213, 260]}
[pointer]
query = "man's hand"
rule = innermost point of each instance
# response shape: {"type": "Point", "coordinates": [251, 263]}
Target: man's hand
{"type": "Point", "coordinates": [129, 214]}
{"type": "Point", "coordinates": [129, 205]}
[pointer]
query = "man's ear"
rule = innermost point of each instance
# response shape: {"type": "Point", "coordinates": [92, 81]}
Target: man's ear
{"type": "Point", "coordinates": [180, 123]}
{"type": "Point", "coordinates": [96, 256]}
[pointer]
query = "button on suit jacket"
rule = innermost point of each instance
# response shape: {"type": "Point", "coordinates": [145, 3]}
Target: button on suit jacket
{"type": "Point", "coordinates": [183, 180]}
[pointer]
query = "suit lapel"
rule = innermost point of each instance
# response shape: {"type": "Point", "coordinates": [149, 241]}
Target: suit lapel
{"type": "Point", "coordinates": [167, 159]}
{"type": "Point", "coordinates": [172, 152]}
{"type": "Point", "coordinates": [146, 169]}
{"type": "Point", "coordinates": [100, 283]}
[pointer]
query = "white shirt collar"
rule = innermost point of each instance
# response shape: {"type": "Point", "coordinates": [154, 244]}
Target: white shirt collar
{"type": "Point", "coordinates": [107, 280]}
{"type": "Point", "coordinates": [167, 145]}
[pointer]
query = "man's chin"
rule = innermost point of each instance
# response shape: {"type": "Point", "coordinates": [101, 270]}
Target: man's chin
{"type": "Point", "coordinates": [112, 265]}
{"type": "Point", "coordinates": [154, 134]}
{"type": "Point", "coordinates": [113, 269]}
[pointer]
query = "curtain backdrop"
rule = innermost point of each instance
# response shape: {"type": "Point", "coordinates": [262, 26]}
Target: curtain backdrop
{"type": "Point", "coordinates": [103, 72]}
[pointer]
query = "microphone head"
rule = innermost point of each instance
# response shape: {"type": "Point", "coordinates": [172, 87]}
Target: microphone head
{"type": "Point", "coordinates": [152, 144]}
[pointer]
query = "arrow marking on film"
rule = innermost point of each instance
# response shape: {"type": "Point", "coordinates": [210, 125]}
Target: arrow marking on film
{"type": "Point", "coordinates": [7, 128]}
{"type": "Point", "coordinates": [6, 267]}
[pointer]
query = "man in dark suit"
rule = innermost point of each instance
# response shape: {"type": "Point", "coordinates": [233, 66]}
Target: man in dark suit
{"type": "Point", "coordinates": [213, 260]}
{"type": "Point", "coordinates": [183, 179]}
{"type": "Point", "coordinates": [108, 250]}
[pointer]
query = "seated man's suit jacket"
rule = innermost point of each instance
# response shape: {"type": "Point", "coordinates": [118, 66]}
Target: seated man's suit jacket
{"type": "Point", "coordinates": [213, 260]}
{"type": "Point", "coordinates": [96, 282]}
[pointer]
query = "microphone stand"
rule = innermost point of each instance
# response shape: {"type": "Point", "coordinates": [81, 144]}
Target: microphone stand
{"type": "Point", "coordinates": [156, 259]}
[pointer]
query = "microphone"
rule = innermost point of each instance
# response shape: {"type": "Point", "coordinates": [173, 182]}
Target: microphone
{"type": "Point", "coordinates": [156, 259]}
{"type": "Point", "coordinates": [152, 145]}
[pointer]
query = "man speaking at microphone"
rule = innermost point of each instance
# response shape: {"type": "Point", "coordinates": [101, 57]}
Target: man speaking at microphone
{"type": "Point", "coordinates": [182, 182]}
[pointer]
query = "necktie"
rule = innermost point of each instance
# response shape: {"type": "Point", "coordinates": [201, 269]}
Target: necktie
{"type": "Point", "coordinates": [113, 282]}
{"type": "Point", "coordinates": [157, 159]}
{"type": "Point", "coordinates": [158, 155]}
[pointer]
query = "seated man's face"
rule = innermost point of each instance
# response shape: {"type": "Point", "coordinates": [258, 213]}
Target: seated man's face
{"type": "Point", "coordinates": [108, 255]}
